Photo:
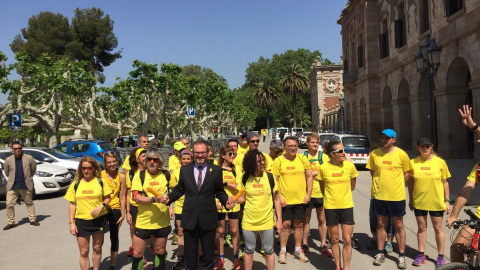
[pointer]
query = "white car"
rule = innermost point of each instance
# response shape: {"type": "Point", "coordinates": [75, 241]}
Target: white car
{"type": "Point", "coordinates": [53, 156]}
{"type": "Point", "coordinates": [302, 139]}
{"type": "Point", "coordinates": [48, 178]}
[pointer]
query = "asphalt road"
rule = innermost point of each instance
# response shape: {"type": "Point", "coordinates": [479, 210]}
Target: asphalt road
{"type": "Point", "coordinates": [50, 246]}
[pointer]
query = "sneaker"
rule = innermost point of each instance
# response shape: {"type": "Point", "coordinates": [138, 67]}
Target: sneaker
{"type": "Point", "coordinates": [379, 259]}
{"type": "Point", "coordinates": [228, 240]}
{"type": "Point", "coordinates": [440, 261]}
{"type": "Point", "coordinates": [179, 265]}
{"type": "Point", "coordinates": [328, 243]}
{"type": "Point", "coordinates": [220, 264]}
{"type": "Point", "coordinates": [262, 252]}
{"type": "Point", "coordinates": [300, 256]}
{"type": "Point", "coordinates": [175, 240]}
{"type": "Point", "coordinates": [356, 244]}
{"type": "Point", "coordinates": [402, 262]}
{"type": "Point", "coordinates": [241, 254]}
{"type": "Point", "coordinates": [419, 260]}
{"type": "Point", "coordinates": [305, 248]}
{"type": "Point", "coordinates": [237, 265]}
{"type": "Point", "coordinates": [325, 252]}
{"type": "Point", "coordinates": [241, 241]}
{"type": "Point", "coordinates": [112, 267]}
{"type": "Point", "coordinates": [373, 244]}
{"type": "Point", "coordinates": [130, 252]}
{"type": "Point", "coordinates": [282, 258]}
{"type": "Point", "coordinates": [388, 247]}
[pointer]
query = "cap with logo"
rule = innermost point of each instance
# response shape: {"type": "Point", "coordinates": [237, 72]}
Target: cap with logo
{"type": "Point", "coordinates": [389, 133]}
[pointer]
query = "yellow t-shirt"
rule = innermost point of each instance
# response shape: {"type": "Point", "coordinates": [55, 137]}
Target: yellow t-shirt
{"type": "Point", "coordinates": [175, 177]}
{"type": "Point", "coordinates": [315, 166]}
{"type": "Point", "coordinates": [428, 190]}
{"type": "Point", "coordinates": [473, 177]}
{"type": "Point", "coordinates": [388, 182]}
{"type": "Point", "coordinates": [292, 183]}
{"type": "Point", "coordinates": [114, 185]}
{"type": "Point", "coordinates": [152, 215]}
{"type": "Point", "coordinates": [126, 163]}
{"type": "Point", "coordinates": [238, 162]}
{"type": "Point", "coordinates": [88, 196]}
{"type": "Point", "coordinates": [258, 210]}
{"type": "Point", "coordinates": [174, 163]}
{"type": "Point", "coordinates": [231, 179]}
{"type": "Point", "coordinates": [242, 150]}
{"type": "Point", "coordinates": [338, 188]}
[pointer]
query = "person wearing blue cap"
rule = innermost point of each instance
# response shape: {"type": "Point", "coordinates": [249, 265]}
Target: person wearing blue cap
{"type": "Point", "coordinates": [390, 169]}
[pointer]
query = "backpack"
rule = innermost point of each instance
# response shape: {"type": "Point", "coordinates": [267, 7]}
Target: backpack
{"type": "Point", "coordinates": [75, 187]}
{"type": "Point", "coordinates": [142, 177]}
{"type": "Point", "coordinates": [319, 157]}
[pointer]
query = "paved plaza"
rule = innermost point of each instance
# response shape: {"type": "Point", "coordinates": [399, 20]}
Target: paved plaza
{"type": "Point", "coordinates": [50, 246]}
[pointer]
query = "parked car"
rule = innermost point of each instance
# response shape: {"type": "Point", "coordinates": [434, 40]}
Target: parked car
{"type": "Point", "coordinates": [357, 146]}
{"type": "Point", "coordinates": [3, 184]}
{"type": "Point", "coordinates": [326, 137]}
{"type": "Point", "coordinates": [53, 156]}
{"type": "Point", "coordinates": [296, 132]}
{"type": "Point", "coordinates": [276, 134]}
{"type": "Point", "coordinates": [48, 178]}
{"type": "Point", "coordinates": [93, 148]}
{"type": "Point", "coordinates": [302, 140]}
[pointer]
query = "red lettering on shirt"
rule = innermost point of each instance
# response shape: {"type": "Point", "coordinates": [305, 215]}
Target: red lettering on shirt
{"type": "Point", "coordinates": [87, 191]}
{"type": "Point", "coordinates": [337, 174]}
{"type": "Point", "coordinates": [154, 183]}
{"type": "Point", "coordinates": [291, 168]}
{"type": "Point", "coordinates": [425, 168]}
{"type": "Point", "coordinates": [228, 177]}
{"type": "Point", "coordinates": [258, 185]}
{"type": "Point", "coordinates": [387, 162]}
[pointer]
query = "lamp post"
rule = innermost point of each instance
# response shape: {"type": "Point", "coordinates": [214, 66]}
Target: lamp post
{"type": "Point", "coordinates": [341, 99]}
{"type": "Point", "coordinates": [428, 60]}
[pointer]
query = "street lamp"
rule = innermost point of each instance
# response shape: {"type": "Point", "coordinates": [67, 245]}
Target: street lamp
{"type": "Point", "coordinates": [428, 60]}
{"type": "Point", "coordinates": [342, 113]}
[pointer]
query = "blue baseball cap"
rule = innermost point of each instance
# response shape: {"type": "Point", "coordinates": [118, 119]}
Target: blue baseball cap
{"type": "Point", "coordinates": [389, 133]}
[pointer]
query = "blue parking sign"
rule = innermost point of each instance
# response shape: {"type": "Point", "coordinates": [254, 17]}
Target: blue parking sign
{"type": "Point", "coordinates": [15, 120]}
{"type": "Point", "coordinates": [190, 111]}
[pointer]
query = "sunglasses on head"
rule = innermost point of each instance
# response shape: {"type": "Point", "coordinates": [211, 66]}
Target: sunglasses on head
{"type": "Point", "coordinates": [155, 160]}
{"type": "Point", "coordinates": [339, 151]}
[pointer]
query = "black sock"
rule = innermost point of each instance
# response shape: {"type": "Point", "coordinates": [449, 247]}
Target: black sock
{"type": "Point", "coordinates": [381, 251]}
{"type": "Point", "coordinates": [421, 253]}
{"type": "Point", "coordinates": [401, 255]}
{"type": "Point", "coordinates": [160, 261]}
{"type": "Point", "coordinates": [440, 255]}
{"type": "Point", "coordinates": [137, 263]}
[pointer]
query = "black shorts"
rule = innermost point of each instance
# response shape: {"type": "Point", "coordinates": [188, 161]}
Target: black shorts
{"type": "Point", "coordinates": [231, 215]}
{"type": "Point", "coordinates": [157, 233]}
{"type": "Point", "coordinates": [393, 208]}
{"type": "Point", "coordinates": [342, 216]}
{"type": "Point", "coordinates": [134, 213]}
{"type": "Point", "coordinates": [88, 227]}
{"type": "Point", "coordinates": [421, 213]}
{"type": "Point", "coordinates": [315, 203]}
{"type": "Point", "coordinates": [178, 217]}
{"type": "Point", "coordinates": [294, 211]}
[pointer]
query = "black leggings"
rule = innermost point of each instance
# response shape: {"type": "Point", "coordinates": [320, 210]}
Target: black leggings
{"type": "Point", "coordinates": [113, 216]}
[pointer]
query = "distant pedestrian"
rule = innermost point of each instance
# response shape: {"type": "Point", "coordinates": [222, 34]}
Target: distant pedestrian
{"type": "Point", "coordinates": [20, 169]}
{"type": "Point", "coordinates": [131, 142]}
{"type": "Point", "coordinates": [243, 147]}
{"type": "Point", "coordinates": [120, 141]}
{"type": "Point", "coordinates": [264, 134]}
{"type": "Point", "coordinates": [282, 135]}
{"type": "Point", "coordinates": [87, 213]}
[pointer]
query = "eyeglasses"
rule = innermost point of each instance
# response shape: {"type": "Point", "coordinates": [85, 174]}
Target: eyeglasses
{"type": "Point", "coordinates": [255, 141]}
{"type": "Point", "coordinates": [339, 151]}
{"type": "Point", "coordinates": [87, 168]}
{"type": "Point", "coordinates": [292, 146]}
{"type": "Point", "coordinates": [232, 154]}
{"type": "Point", "coordinates": [155, 160]}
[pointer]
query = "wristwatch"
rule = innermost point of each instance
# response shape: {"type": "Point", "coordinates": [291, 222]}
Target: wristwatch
{"type": "Point", "coordinates": [152, 200]}
{"type": "Point", "coordinates": [475, 127]}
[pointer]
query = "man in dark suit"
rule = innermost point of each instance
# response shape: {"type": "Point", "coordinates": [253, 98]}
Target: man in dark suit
{"type": "Point", "coordinates": [200, 182]}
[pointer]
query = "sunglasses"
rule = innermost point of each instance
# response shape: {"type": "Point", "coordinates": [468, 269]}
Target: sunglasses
{"type": "Point", "coordinates": [255, 141]}
{"type": "Point", "coordinates": [87, 168]}
{"type": "Point", "coordinates": [232, 154]}
{"type": "Point", "coordinates": [155, 160]}
{"type": "Point", "coordinates": [339, 151]}
{"type": "Point", "coordinates": [15, 149]}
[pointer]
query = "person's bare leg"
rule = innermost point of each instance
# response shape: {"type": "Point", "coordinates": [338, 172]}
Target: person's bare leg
{"type": "Point", "coordinates": [421, 232]}
{"type": "Point", "coordinates": [334, 242]}
{"type": "Point", "coordinates": [347, 232]}
{"type": "Point", "coordinates": [400, 235]}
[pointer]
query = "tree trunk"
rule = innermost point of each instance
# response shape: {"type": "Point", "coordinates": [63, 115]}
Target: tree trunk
{"type": "Point", "coordinates": [294, 105]}
{"type": "Point", "coordinates": [52, 141]}
{"type": "Point", "coordinates": [268, 117]}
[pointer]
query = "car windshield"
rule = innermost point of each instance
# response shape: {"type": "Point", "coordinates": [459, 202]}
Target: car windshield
{"type": "Point", "coordinates": [106, 146]}
{"type": "Point", "coordinates": [356, 141]}
{"type": "Point", "coordinates": [57, 154]}
{"type": "Point", "coordinates": [4, 155]}
{"type": "Point", "coordinates": [324, 138]}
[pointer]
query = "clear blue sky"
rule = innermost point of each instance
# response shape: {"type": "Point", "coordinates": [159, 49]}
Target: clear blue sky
{"type": "Point", "coordinates": [223, 35]}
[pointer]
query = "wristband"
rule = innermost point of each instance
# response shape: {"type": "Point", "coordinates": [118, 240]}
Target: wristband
{"type": "Point", "coordinates": [447, 200]}
{"type": "Point", "coordinates": [71, 221]}
{"type": "Point", "coordinates": [104, 204]}
{"type": "Point", "coordinates": [475, 127]}
{"type": "Point", "coordinates": [225, 184]}
{"type": "Point", "coordinates": [128, 211]}
{"type": "Point", "coordinates": [152, 200]}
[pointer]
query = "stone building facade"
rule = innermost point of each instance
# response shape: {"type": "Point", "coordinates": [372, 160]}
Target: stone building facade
{"type": "Point", "coordinates": [326, 87]}
{"type": "Point", "coordinates": [382, 86]}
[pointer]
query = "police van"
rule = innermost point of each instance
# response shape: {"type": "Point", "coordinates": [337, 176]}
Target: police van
{"type": "Point", "coordinates": [356, 146]}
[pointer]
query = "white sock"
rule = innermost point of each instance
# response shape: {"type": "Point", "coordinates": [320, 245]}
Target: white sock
{"type": "Point", "coordinates": [283, 249]}
{"type": "Point", "coordinates": [297, 249]}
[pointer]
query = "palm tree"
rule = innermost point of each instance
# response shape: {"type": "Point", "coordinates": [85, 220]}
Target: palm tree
{"type": "Point", "coordinates": [293, 82]}
{"type": "Point", "coordinates": [266, 95]}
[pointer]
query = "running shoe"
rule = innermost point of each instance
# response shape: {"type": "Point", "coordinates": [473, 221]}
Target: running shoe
{"type": "Point", "coordinates": [419, 260]}
{"type": "Point", "coordinates": [175, 239]}
{"type": "Point", "coordinates": [112, 267]}
{"type": "Point", "coordinates": [241, 254]}
{"type": "Point", "coordinates": [388, 247]}
{"type": "Point", "coordinates": [282, 258]}
{"type": "Point", "coordinates": [402, 262]}
{"type": "Point", "coordinates": [325, 252]}
{"type": "Point", "coordinates": [130, 252]}
{"type": "Point", "coordinates": [262, 252]}
{"type": "Point", "coordinates": [356, 244]}
{"type": "Point", "coordinates": [220, 264]}
{"type": "Point", "coordinates": [237, 265]}
{"type": "Point", "coordinates": [379, 259]}
{"type": "Point", "coordinates": [440, 261]}
{"type": "Point", "coordinates": [228, 240]}
{"type": "Point", "coordinates": [242, 242]}
{"type": "Point", "coordinates": [300, 256]}
{"type": "Point", "coordinates": [305, 248]}
{"type": "Point", "coordinates": [179, 265]}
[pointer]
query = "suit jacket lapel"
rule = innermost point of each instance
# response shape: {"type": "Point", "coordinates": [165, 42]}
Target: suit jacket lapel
{"type": "Point", "coordinates": [208, 173]}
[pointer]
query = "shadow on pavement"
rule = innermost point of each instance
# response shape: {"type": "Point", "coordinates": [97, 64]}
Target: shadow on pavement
{"type": "Point", "coordinates": [25, 220]}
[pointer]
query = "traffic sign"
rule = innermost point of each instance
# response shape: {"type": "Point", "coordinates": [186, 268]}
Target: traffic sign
{"type": "Point", "coordinates": [15, 128]}
{"type": "Point", "coordinates": [190, 111]}
{"type": "Point", "coordinates": [15, 120]}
